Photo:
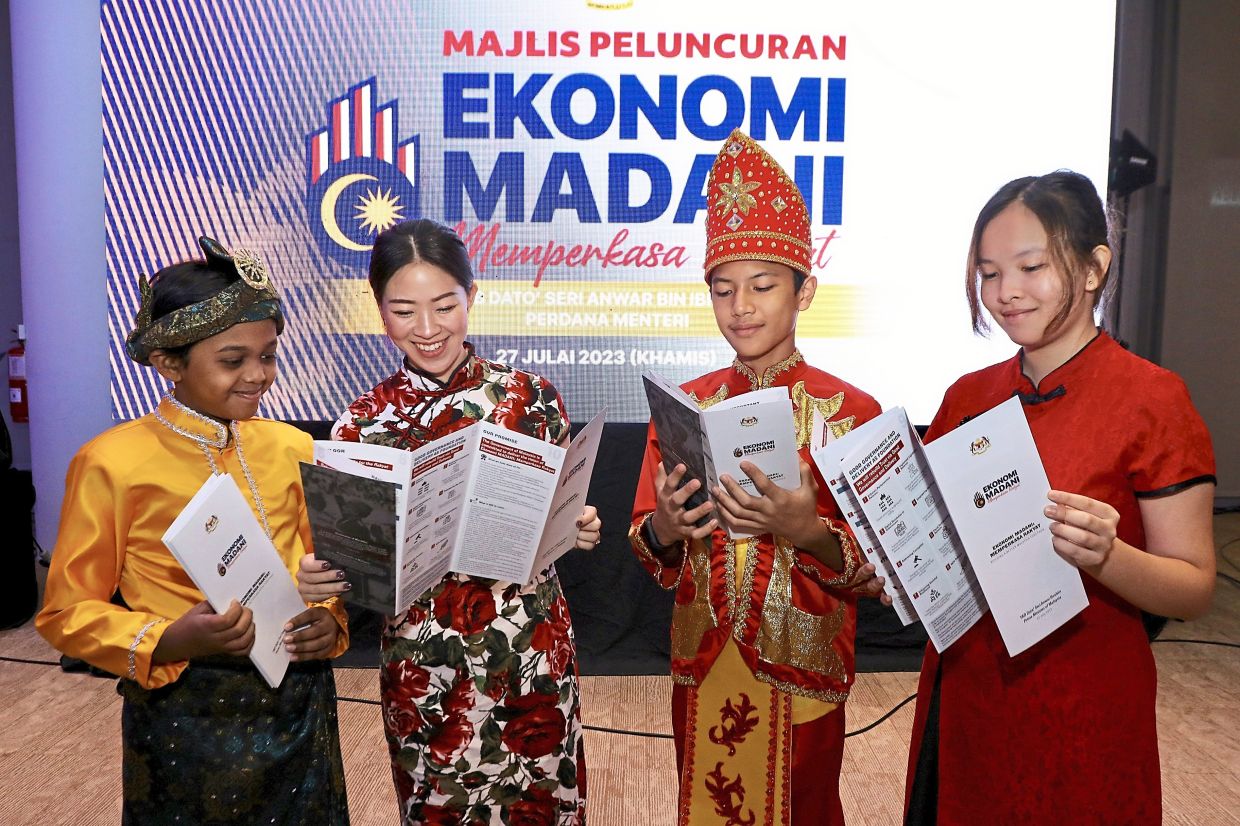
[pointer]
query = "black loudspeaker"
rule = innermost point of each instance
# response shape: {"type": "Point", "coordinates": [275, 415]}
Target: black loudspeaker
{"type": "Point", "coordinates": [19, 594]}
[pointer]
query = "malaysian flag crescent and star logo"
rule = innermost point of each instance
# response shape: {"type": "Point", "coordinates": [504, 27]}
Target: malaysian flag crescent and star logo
{"type": "Point", "coordinates": [360, 179]}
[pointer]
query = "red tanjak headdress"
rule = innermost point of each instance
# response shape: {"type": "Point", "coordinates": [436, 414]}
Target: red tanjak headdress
{"type": "Point", "coordinates": [755, 209]}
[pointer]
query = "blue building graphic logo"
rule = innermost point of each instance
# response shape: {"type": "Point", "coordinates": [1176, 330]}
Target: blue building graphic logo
{"type": "Point", "coordinates": [360, 179]}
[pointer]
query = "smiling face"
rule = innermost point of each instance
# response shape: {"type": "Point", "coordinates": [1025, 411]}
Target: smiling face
{"type": "Point", "coordinates": [1025, 290]}
{"type": "Point", "coordinates": [756, 305]}
{"type": "Point", "coordinates": [426, 314]}
{"type": "Point", "coordinates": [226, 375]}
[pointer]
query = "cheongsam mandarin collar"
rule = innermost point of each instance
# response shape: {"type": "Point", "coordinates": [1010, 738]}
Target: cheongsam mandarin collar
{"type": "Point", "coordinates": [769, 374]}
{"type": "Point", "coordinates": [188, 423]}
{"type": "Point", "coordinates": [1053, 384]}
{"type": "Point", "coordinates": [466, 374]}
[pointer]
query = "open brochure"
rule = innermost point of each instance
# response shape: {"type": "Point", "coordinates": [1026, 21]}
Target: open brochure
{"type": "Point", "coordinates": [756, 427]}
{"type": "Point", "coordinates": [483, 501]}
{"type": "Point", "coordinates": [220, 544]}
{"type": "Point", "coordinates": [957, 527]}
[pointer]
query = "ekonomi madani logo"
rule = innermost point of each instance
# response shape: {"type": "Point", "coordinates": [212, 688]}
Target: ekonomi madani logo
{"type": "Point", "coordinates": [360, 179]}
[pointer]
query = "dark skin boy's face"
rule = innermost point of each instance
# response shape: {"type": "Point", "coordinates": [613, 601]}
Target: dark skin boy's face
{"type": "Point", "coordinates": [756, 305]}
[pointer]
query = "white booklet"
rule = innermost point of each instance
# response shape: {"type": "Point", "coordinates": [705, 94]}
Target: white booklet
{"type": "Point", "coordinates": [953, 558]}
{"type": "Point", "coordinates": [755, 427]}
{"type": "Point", "coordinates": [219, 543]}
{"type": "Point", "coordinates": [483, 501]}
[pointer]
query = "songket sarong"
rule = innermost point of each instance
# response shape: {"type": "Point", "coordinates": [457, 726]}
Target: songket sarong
{"type": "Point", "coordinates": [220, 746]}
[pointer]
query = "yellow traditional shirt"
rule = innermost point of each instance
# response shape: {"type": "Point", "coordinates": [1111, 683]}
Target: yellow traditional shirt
{"type": "Point", "coordinates": [124, 488]}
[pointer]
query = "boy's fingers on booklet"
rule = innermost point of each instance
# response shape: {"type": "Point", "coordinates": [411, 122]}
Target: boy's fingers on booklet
{"type": "Point", "coordinates": [233, 631]}
{"type": "Point", "coordinates": [240, 646]}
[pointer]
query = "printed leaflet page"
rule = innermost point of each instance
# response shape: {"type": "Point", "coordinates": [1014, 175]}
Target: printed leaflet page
{"type": "Point", "coordinates": [828, 458]}
{"type": "Point", "coordinates": [890, 477]}
{"type": "Point", "coordinates": [442, 471]}
{"type": "Point", "coordinates": [996, 494]}
{"type": "Point", "coordinates": [560, 534]}
{"type": "Point", "coordinates": [506, 507]}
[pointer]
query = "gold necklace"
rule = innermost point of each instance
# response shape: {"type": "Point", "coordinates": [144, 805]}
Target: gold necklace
{"type": "Point", "coordinates": [205, 443]}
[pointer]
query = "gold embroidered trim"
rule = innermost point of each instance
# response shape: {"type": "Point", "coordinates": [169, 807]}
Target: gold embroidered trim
{"type": "Point", "coordinates": [849, 552]}
{"type": "Point", "coordinates": [769, 374]}
{"type": "Point", "coordinates": [638, 541]}
{"type": "Point", "coordinates": [747, 254]}
{"type": "Point", "coordinates": [740, 604]}
{"type": "Point", "coordinates": [132, 670]}
{"type": "Point", "coordinates": [691, 622]}
{"type": "Point", "coordinates": [792, 688]}
{"type": "Point", "coordinates": [729, 572]}
{"type": "Point", "coordinates": [803, 407]}
{"type": "Point", "coordinates": [711, 400]}
{"type": "Point", "coordinates": [826, 695]}
{"type": "Point", "coordinates": [759, 235]}
{"type": "Point", "coordinates": [789, 636]}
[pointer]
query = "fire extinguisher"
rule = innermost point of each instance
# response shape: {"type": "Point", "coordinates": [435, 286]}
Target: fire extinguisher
{"type": "Point", "coordinates": [19, 402]}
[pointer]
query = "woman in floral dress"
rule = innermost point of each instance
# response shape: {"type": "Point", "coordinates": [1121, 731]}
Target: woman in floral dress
{"type": "Point", "coordinates": [481, 703]}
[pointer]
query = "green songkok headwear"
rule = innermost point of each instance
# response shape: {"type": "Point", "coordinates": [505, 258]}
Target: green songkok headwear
{"type": "Point", "coordinates": [250, 298]}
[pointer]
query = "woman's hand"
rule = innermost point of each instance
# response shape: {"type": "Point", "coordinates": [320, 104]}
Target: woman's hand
{"type": "Point", "coordinates": [1083, 530]}
{"type": "Point", "coordinates": [200, 632]}
{"type": "Point", "coordinates": [589, 529]}
{"type": "Point", "coordinates": [317, 580]}
{"type": "Point", "coordinates": [315, 637]}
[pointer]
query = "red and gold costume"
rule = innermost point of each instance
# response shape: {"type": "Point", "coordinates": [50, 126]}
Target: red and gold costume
{"type": "Point", "coordinates": [1064, 732]}
{"type": "Point", "coordinates": [762, 631]}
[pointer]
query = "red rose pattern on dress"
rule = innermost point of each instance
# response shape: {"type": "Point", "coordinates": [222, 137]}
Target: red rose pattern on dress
{"type": "Point", "coordinates": [481, 704]}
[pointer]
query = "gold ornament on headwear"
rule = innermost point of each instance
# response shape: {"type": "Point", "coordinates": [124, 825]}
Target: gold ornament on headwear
{"type": "Point", "coordinates": [252, 297]}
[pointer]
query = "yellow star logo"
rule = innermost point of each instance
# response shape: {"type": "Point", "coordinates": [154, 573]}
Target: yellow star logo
{"type": "Point", "coordinates": [378, 209]}
{"type": "Point", "coordinates": [736, 194]}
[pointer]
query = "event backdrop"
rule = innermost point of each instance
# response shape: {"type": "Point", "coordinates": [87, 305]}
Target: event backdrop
{"type": "Point", "coordinates": [569, 142]}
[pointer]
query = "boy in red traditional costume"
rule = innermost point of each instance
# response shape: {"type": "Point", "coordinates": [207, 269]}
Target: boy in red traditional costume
{"type": "Point", "coordinates": [763, 627]}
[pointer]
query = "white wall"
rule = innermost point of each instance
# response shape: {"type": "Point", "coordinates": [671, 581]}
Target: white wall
{"type": "Point", "coordinates": [57, 112]}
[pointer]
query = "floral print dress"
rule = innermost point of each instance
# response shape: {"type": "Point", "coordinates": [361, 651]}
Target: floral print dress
{"type": "Point", "coordinates": [481, 704]}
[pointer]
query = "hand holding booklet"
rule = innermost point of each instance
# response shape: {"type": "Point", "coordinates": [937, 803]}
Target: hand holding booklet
{"type": "Point", "coordinates": [483, 501]}
{"type": "Point", "coordinates": [755, 427]}
{"type": "Point", "coordinates": [220, 544]}
{"type": "Point", "coordinates": [957, 526]}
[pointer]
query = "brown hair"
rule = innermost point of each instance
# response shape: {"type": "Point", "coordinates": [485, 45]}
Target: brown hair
{"type": "Point", "coordinates": [1076, 224]}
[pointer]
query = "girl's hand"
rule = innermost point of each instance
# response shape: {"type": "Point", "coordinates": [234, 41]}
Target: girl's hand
{"type": "Point", "coordinates": [790, 513]}
{"type": "Point", "coordinates": [318, 580]}
{"type": "Point", "coordinates": [589, 529]}
{"type": "Point", "coordinates": [315, 637]}
{"type": "Point", "coordinates": [671, 522]}
{"type": "Point", "coordinates": [1083, 531]}
{"type": "Point", "coordinates": [200, 632]}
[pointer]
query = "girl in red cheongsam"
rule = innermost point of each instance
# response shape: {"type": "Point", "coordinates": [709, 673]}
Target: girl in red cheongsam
{"type": "Point", "coordinates": [1065, 732]}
